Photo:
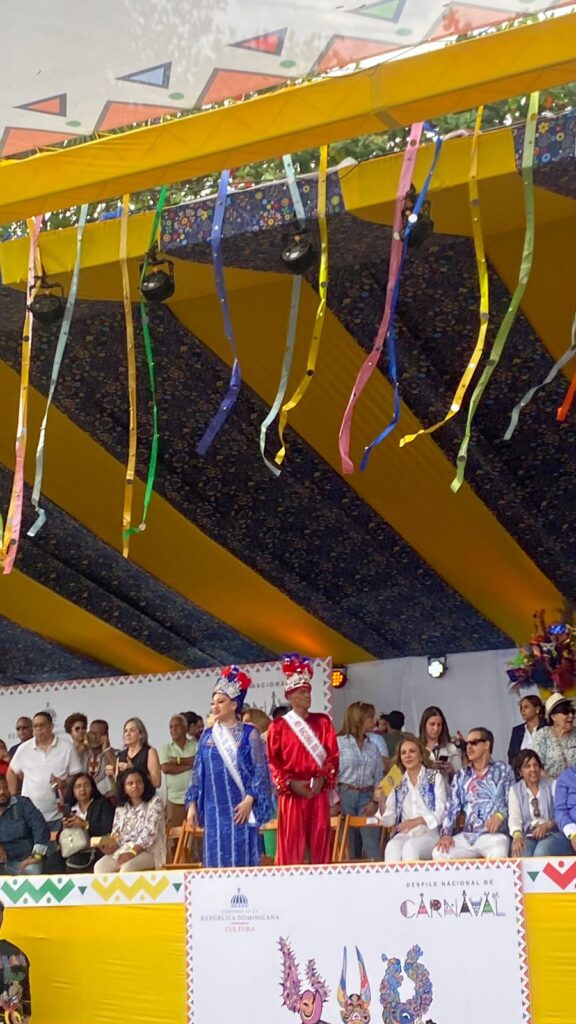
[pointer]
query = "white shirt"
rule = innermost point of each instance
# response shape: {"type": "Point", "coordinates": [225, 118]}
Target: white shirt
{"type": "Point", "coordinates": [528, 739]}
{"type": "Point", "coordinates": [37, 765]}
{"type": "Point", "coordinates": [414, 806]}
{"type": "Point", "coordinates": [515, 823]}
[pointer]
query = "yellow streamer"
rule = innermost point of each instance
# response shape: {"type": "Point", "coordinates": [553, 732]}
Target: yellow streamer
{"type": "Point", "coordinates": [466, 378]}
{"type": "Point", "coordinates": [10, 535]}
{"type": "Point", "coordinates": [131, 361]}
{"type": "Point", "coordinates": [321, 310]}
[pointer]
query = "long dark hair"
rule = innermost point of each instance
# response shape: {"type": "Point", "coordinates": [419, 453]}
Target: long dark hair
{"type": "Point", "coordinates": [149, 790]}
{"type": "Point", "coordinates": [70, 798]}
{"type": "Point", "coordinates": [434, 712]}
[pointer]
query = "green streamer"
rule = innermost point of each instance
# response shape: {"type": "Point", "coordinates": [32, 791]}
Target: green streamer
{"type": "Point", "coordinates": [525, 268]}
{"type": "Point", "coordinates": [153, 461]}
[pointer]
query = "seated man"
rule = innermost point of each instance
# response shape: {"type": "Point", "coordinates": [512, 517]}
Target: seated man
{"type": "Point", "coordinates": [480, 792]}
{"type": "Point", "coordinates": [24, 834]}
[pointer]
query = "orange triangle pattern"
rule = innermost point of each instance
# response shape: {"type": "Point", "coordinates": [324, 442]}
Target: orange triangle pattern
{"type": "Point", "coordinates": [226, 84]}
{"type": "Point", "coordinates": [460, 18]}
{"type": "Point", "coordinates": [49, 105]}
{"type": "Point", "coordinates": [271, 42]}
{"type": "Point", "coordinates": [22, 140]}
{"type": "Point", "coordinates": [342, 50]}
{"type": "Point", "coordinates": [117, 115]}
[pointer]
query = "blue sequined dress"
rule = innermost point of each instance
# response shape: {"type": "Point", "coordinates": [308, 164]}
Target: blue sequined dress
{"type": "Point", "coordinates": [216, 794]}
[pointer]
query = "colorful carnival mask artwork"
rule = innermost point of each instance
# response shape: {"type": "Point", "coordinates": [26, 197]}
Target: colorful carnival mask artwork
{"type": "Point", "coordinates": [308, 1002]}
{"type": "Point", "coordinates": [354, 1008]}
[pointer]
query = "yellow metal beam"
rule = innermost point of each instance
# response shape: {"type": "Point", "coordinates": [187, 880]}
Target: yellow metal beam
{"type": "Point", "coordinates": [88, 483]}
{"type": "Point", "coordinates": [36, 607]}
{"type": "Point", "coordinates": [458, 77]}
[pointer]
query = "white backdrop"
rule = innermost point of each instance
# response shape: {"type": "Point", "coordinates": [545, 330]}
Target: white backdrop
{"type": "Point", "coordinates": [153, 698]}
{"type": "Point", "coordinates": [473, 692]}
{"type": "Point", "coordinates": [442, 908]}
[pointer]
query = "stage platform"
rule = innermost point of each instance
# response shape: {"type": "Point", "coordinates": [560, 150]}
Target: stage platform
{"type": "Point", "coordinates": [113, 950]}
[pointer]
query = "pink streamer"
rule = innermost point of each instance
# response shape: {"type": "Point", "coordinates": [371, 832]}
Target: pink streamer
{"type": "Point", "coordinates": [14, 519]}
{"type": "Point", "coordinates": [371, 362]}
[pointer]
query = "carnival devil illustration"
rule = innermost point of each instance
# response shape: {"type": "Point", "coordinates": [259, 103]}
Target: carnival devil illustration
{"type": "Point", "coordinates": [307, 1003]}
{"type": "Point", "coordinates": [354, 1008]}
{"type": "Point", "coordinates": [394, 1009]}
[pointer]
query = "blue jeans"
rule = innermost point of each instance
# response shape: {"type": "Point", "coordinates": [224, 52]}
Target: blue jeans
{"type": "Point", "coordinates": [10, 867]}
{"type": "Point", "coordinates": [367, 839]}
{"type": "Point", "coordinates": [554, 845]}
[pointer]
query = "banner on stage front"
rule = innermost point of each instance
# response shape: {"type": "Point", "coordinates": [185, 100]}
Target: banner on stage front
{"type": "Point", "coordinates": [402, 944]}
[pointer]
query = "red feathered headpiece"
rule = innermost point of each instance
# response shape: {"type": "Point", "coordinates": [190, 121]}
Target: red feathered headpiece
{"type": "Point", "coordinates": [234, 683]}
{"type": "Point", "coordinates": [298, 672]}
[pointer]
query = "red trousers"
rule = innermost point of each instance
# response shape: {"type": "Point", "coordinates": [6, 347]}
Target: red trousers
{"type": "Point", "coordinates": [304, 825]}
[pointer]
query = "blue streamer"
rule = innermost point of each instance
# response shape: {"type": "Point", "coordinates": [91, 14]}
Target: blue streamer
{"type": "Point", "coordinates": [391, 335]}
{"type": "Point", "coordinates": [229, 399]}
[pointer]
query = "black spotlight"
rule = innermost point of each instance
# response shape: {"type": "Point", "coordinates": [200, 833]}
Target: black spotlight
{"type": "Point", "coordinates": [299, 254]}
{"type": "Point", "coordinates": [422, 225]}
{"type": "Point", "coordinates": [47, 306]}
{"type": "Point", "coordinates": [158, 283]}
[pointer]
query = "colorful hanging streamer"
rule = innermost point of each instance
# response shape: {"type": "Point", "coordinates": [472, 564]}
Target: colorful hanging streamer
{"type": "Point", "coordinates": [525, 268]}
{"type": "Point", "coordinates": [56, 365]}
{"type": "Point", "coordinates": [567, 403]}
{"type": "Point", "coordinates": [149, 351]}
{"type": "Point", "coordinates": [300, 215]}
{"type": "Point", "coordinates": [9, 538]}
{"type": "Point", "coordinates": [484, 312]}
{"type": "Point", "coordinates": [396, 249]}
{"type": "Point", "coordinates": [558, 365]}
{"type": "Point", "coordinates": [391, 335]}
{"type": "Point", "coordinates": [229, 399]}
{"type": "Point", "coordinates": [321, 308]}
{"type": "Point", "coordinates": [132, 395]}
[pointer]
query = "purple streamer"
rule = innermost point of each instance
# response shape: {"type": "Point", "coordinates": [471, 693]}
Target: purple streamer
{"type": "Point", "coordinates": [229, 400]}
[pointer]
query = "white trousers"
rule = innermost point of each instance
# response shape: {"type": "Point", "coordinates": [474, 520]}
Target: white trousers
{"type": "Point", "coordinates": [486, 845]}
{"type": "Point", "coordinates": [410, 847]}
{"type": "Point", "coordinates": [108, 865]}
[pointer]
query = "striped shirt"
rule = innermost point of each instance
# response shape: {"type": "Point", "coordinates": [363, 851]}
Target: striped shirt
{"type": "Point", "coordinates": [359, 767]}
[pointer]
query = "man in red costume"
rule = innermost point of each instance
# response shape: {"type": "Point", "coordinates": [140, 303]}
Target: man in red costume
{"type": "Point", "coordinates": [303, 755]}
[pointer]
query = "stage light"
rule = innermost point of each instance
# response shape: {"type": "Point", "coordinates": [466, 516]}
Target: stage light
{"type": "Point", "coordinates": [299, 254]}
{"type": "Point", "coordinates": [436, 666]}
{"type": "Point", "coordinates": [47, 306]}
{"type": "Point", "coordinates": [338, 677]}
{"type": "Point", "coordinates": [157, 284]}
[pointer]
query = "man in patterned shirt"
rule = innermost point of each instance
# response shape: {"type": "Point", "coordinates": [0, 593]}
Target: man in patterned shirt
{"type": "Point", "coordinates": [480, 792]}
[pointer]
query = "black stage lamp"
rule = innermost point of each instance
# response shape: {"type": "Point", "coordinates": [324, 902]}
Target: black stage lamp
{"type": "Point", "coordinates": [47, 306]}
{"type": "Point", "coordinates": [299, 254]}
{"type": "Point", "coordinates": [422, 225]}
{"type": "Point", "coordinates": [157, 284]}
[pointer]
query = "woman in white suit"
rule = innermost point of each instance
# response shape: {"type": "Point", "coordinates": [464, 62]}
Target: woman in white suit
{"type": "Point", "coordinates": [415, 807]}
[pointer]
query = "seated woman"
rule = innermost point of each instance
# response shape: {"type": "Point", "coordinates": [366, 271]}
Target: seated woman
{"type": "Point", "coordinates": [531, 812]}
{"type": "Point", "coordinates": [138, 840]}
{"type": "Point", "coordinates": [89, 811]}
{"type": "Point", "coordinates": [415, 807]}
{"type": "Point", "coordinates": [522, 736]}
{"type": "Point", "coordinates": [230, 794]}
{"type": "Point", "coordinates": [435, 736]}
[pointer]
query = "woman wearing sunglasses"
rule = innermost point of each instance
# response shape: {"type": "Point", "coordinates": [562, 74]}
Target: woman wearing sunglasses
{"type": "Point", "coordinates": [531, 812]}
{"type": "Point", "coordinates": [556, 745]}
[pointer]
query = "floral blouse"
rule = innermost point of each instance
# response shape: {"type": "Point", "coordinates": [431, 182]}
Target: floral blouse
{"type": "Point", "coordinates": [556, 754]}
{"type": "Point", "coordinates": [142, 826]}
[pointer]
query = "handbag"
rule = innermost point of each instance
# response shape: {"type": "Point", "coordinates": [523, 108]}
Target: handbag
{"type": "Point", "coordinates": [73, 840]}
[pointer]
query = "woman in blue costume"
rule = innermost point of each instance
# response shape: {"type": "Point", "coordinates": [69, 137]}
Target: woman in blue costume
{"type": "Point", "coordinates": [230, 794]}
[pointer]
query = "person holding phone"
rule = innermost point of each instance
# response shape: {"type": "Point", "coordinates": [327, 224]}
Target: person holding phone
{"type": "Point", "coordinates": [435, 735]}
{"type": "Point", "coordinates": [85, 808]}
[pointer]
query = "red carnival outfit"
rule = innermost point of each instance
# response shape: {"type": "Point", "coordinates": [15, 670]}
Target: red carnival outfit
{"type": "Point", "coordinates": [303, 824]}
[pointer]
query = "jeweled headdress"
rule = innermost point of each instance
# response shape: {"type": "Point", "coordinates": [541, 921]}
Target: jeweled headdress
{"type": "Point", "coordinates": [297, 670]}
{"type": "Point", "coordinates": [234, 683]}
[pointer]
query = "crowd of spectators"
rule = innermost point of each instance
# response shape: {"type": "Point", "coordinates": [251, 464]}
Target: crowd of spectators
{"type": "Point", "coordinates": [75, 803]}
